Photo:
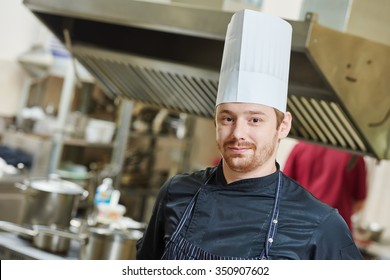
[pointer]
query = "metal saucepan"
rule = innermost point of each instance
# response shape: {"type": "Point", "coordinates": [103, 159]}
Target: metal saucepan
{"type": "Point", "coordinates": [50, 201]}
{"type": "Point", "coordinates": [109, 244]}
{"type": "Point", "coordinates": [43, 237]}
{"type": "Point", "coordinates": [95, 243]}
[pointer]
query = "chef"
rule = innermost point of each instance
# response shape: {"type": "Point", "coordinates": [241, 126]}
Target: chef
{"type": "Point", "coordinates": [246, 208]}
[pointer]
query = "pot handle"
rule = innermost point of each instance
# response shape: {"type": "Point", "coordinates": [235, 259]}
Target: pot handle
{"type": "Point", "coordinates": [21, 186]}
{"type": "Point", "coordinates": [26, 188]}
{"type": "Point", "coordinates": [14, 228]}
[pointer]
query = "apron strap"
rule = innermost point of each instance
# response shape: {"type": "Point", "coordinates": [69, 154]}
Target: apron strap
{"type": "Point", "coordinates": [189, 208]}
{"type": "Point", "coordinates": [274, 219]}
{"type": "Point", "coordinates": [185, 216]}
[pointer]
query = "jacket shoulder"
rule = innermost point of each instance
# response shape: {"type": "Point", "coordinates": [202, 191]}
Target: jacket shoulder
{"type": "Point", "coordinates": [188, 182]}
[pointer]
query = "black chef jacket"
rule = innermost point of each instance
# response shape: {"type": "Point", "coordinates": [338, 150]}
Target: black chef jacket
{"type": "Point", "coordinates": [233, 219]}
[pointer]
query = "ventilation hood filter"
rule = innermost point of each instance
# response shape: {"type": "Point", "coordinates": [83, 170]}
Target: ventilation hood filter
{"type": "Point", "coordinates": [169, 55]}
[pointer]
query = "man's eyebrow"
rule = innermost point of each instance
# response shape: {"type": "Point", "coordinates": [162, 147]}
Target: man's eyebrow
{"type": "Point", "coordinates": [225, 111]}
{"type": "Point", "coordinates": [256, 113]}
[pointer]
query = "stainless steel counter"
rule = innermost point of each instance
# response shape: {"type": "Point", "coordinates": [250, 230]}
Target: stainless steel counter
{"type": "Point", "coordinates": [13, 247]}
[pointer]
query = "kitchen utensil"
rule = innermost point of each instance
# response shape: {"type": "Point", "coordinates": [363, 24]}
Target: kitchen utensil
{"type": "Point", "coordinates": [43, 237]}
{"type": "Point", "coordinates": [109, 244]}
{"type": "Point", "coordinates": [50, 201]}
{"type": "Point", "coordinates": [95, 243]}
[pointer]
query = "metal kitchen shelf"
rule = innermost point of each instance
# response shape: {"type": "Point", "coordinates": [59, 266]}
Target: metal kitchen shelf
{"type": "Point", "coordinates": [84, 143]}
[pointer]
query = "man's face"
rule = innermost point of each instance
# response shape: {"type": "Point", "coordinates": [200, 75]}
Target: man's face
{"type": "Point", "coordinates": [247, 135]}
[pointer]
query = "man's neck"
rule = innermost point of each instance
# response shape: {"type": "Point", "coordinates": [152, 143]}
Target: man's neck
{"type": "Point", "coordinates": [232, 176]}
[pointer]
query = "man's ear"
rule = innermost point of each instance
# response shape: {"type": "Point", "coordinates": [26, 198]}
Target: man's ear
{"type": "Point", "coordinates": [285, 126]}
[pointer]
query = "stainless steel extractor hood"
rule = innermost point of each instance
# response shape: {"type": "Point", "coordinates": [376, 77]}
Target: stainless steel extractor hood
{"type": "Point", "coordinates": [170, 55]}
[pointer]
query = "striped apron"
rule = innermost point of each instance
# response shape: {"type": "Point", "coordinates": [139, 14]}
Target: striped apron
{"type": "Point", "coordinates": [178, 248]}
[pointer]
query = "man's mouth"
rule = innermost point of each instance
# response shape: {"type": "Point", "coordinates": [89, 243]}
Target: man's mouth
{"type": "Point", "coordinates": [238, 148]}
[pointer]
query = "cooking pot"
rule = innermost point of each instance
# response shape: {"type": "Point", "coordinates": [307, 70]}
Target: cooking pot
{"type": "Point", "coordinates": [109, 244]}
{"type": "Point", "coordinates": [50, 201]}
{"type": "Point", "coordinates": [95, 243]}
{"type": "Point", "coordinates": [43, 237]}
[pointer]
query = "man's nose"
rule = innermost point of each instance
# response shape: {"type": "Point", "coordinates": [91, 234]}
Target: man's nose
{"type": "Point", "coordinates": [240, 130]}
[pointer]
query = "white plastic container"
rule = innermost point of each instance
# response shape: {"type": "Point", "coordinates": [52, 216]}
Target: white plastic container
{"type": "Point", "coordinates": [107, 213]}
{"type": "Point", "coordinates": [99, 131]}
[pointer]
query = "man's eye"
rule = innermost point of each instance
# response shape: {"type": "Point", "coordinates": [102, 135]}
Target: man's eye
{"type": "Point", "coordinates": [226, 119]}
{"type": "Point", "coordinates": [256, 120]}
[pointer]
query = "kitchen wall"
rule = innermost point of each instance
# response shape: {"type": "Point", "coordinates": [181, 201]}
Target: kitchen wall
{"type": "Point", "coordinates": [371, 20]}
{"type": "Point", "coordinates": [377, 208]}
{"type": "Point", "coordinates": [287, 9]}
{"type": "Point", "coordinates": [19, 30]}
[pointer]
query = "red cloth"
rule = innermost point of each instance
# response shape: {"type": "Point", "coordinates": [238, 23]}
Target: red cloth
{"type": "Point", "coordinates": [333, 176]}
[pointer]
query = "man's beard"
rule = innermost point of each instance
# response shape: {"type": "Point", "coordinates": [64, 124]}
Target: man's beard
{"type": "Point", "coordinates": [247, 162]}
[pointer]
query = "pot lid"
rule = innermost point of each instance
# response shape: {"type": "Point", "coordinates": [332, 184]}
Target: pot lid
{"type": "Point", "coordinates": [56, 185]}
{"type": "Point", "coordinates": [122, 235]}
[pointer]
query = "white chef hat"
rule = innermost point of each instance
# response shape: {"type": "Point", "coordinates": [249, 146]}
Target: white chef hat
{"type": "Point", "coordinates": [256, 60]}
